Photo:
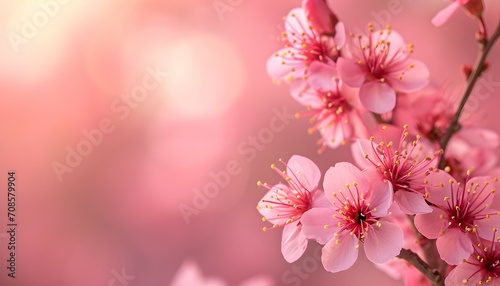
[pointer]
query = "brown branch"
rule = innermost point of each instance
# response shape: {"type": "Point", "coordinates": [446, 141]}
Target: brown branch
{"type": "Point", "coordinates": [471, 81]}
{"type": "Point", "coordinates": [433, 275]}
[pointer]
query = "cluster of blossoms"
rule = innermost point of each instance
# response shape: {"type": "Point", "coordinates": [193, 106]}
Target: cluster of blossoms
{"type": "Point", "coordinates": [420, 198]}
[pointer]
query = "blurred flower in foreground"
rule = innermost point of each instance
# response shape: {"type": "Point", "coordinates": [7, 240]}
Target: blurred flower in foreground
{"type": "Point", "coordinates": [189, 274]}
{"type": "Point", "coordinates": [284, 205]}
{"type": "Point", "coordinates": [357, 216]}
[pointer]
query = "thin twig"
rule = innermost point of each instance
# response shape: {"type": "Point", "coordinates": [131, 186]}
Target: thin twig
{"type": "Point", "coordinates": [478, 69]}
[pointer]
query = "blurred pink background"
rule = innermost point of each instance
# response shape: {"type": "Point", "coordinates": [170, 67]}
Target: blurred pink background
{"type": "Point", "coordinates": [207, 95]}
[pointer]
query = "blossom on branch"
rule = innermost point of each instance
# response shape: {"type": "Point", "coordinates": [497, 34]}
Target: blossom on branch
{"type": "Point", "coordinates": [284, 204]}
{"type": "Point", "coordinates": [380, 65]}
{"type": "Point", "coordinates": [357, 216]}
{"type": "Point", "coordinates": [332, 106]}
{"type": "Point", "coordinates": [459, 211]}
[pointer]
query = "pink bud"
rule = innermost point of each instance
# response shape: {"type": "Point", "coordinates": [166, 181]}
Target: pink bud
{"type": "Point", "coordinates": [320, 16]}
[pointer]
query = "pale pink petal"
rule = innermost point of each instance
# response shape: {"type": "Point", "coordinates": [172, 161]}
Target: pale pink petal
{"type": "Point", "coordinates": [271, 213]}
{"type": "Point", "coordinates": [356, 121]}
{"type": "Point", "coordinates": [279, 69]}
{"type": "Point", "coordinates": [340, 253]}
{"type": "Point", "coordinates": [462, 272]}
{"type": "Point", "coordinates": [414, 78]}
{"type": "Point", "coordinates": [485, 226]}
{"type": "Point", "coordinates": [380, 196]}
{"type": "Point", "coordinates": [350, 72]}
{"type": "Point", "coordinates": [454, 246]}
{"type": "Point", "coordinates": [411, 203]}
{"type": "Point", "coordinates": [305, 171]}
{"type": "Point", "coordinates": [296, 23]}
{"type": "Point", "coordinates": [377, 97]}
{"type": "Point", "coordinates": [189, 274]}
{"type": "Point", "coordinates": [397, 44]}
{"type": "Point", "coordinates": [438, 187]}
{"type": "Point", "coordinates": [314, 222]}
{"type": "Point", "coordinates": [293, 242]}
{"type": "Point", "coordinates": [359, 150]}
{"type": "Point", "coordinates": [351, 94]}
{"type": "Point", "coordinates": [431, 224]}
{"type": "Point", "coordinates": [443, 15]}
{"type": "Point", "coordinates": [323, 76]}
{"type": "Point", "coordinates": [338, 176]}
{"type": "Point", "coordinates": [340, 36]}
{"type": "Point", "coordinates": [305, 95]}
{"type": "Point", "coordinates": [261, 280]}
{"type": "Point", "coordinates": [383, 243]}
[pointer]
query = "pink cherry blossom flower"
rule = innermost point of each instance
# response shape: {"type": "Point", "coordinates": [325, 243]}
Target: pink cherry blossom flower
{"type": "Point", "coordinates": [473, 8]}
{"type": "Point", "coordinates": [400, 161]}
{"type": "Point", "coordinates": [458, 210]}
{"type": "Point", "coordinates": [284, 204]}
{"type": "Point", "coordinates": [303, 46]}
{"type": "Point", "coordinates": [332, 106]}
{"type": "Point", "coordinates": [320, 16]}
{"type": "Point", "coordinates": [359, 206]}
{"type": "Point", "coordinates": [482, 267]}
{"type": "Point", "coordinates": [380, 65]}
{"type": "Point", "coordinates": [189, 274]}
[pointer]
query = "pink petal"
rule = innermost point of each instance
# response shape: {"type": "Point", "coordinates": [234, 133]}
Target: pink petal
{"type": "Point", "coordinates": [341, 174]}
{"type": "Point", "coordinates": [383, 243]}
{"type": "Point", "coordinates": [305, 171]}
{"type": "Point", "coordinates": [293, 242]}
{"type": "Point", "coordinates": [320, 16]}
{"type": "Point", "coordinates": [340, 253]}
{"type": "Point", "coordinates": [323, 76]}
{"type": "Point", "coordinates": [436, 192]}
{"type": "Point", "coordinates": [271, 213]}
{"type": "Point", "coordinates": [479, 137]}
{"type": "Point", "coordinates": [279, 69]}
{"type": "Point", "coordinates": [464, 271]}
{"type": "Point", "coordinates": [414, 78]}
{"type": "Point", "coordinates": [190, 274]}
{"type": "Point", "coordinates": [454, 246]}
{"type": "Point", "coordinates": [380, 197]}
{"type": "Point", "coordinates": [397, 44]}
{"type": "Point", "coordinates": [411, 203]}
{"type": "Point", "coordinates": [340, 36]}
{"type": "Point", "coordinates": [305, 95]}
{"type": "Point", "coordinates": [359, 150]}
{"type": "Point", "coordinates": [261, 280]}
{"type": "Point", "coordinates": [314, 221]}
{"type": "Point", "coordinates": [296, 23]}
{"type": "Point", "coordinates": [481, 198]}
{"type": "Point", "coordinates": [319, 200]}
{"type": "Point", "coordinates": [431, 224]}
{"type": "Point", "coordinates": [443, 15]}
{"type": "Point", "coordinates": [377, 97]}
{"type": "Point", "coordinates": [350, 73]}
{"type": "Point", "coordinates": [485, 226]}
